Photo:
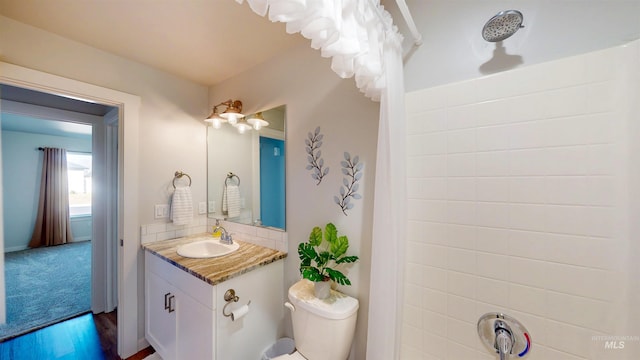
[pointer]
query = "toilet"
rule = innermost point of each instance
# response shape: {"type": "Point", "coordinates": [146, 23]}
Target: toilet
{"type": "Point", "coordinates": [322, 329]}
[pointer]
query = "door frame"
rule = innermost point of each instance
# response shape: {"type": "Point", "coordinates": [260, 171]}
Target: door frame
{"type": "Point", "coordinates": [128, 213]}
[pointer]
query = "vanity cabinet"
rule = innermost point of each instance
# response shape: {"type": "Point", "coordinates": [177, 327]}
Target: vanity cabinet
{"type": "Point", "coordinates": [179, 312]}
{"type": "Point", "coordinates": [184, 316]}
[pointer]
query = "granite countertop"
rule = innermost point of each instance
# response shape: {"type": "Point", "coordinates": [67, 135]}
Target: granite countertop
{"type": "Point", "coordinates": [218, 269]}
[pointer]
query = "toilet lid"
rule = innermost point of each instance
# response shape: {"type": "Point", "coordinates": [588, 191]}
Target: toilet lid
{"type": "Point", "coordinates": [295, 356]}
{"type": "Point", "coordinates": [337, 307]}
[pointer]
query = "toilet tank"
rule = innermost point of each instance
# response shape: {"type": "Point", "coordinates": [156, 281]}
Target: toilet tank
{"type": "Point", "coordinates": [322, 329]}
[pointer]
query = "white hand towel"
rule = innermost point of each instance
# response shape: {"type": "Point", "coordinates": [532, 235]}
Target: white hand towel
{"type": "Point", "coordinates": [231, 201]}
{"type": "Point", "coordinates": [182, 206]}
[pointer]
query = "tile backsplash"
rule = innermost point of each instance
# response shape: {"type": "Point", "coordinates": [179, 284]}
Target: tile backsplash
{"type": "Point", "coordinates": [270, 238]}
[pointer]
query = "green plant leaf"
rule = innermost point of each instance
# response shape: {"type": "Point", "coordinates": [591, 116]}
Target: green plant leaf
{"type": "Point", "coordinates": [317, 260]}
{"type": "Point", "coordinates": [338, 277]}
{"type": "Point", "coordinates": [315, 238]}
{"type": "Point", "coordinates": [347, 259]}
{"type": "Point", "coordinates": [340, 246]}
{"type": "Point", "coordinates": [312, 274]}
{"type": "Point", "coordinates": [307, 253]}
{"type": "Point", "coordinates": [330, 233]}
{"type": "Point", "coordinates": [323, 258]}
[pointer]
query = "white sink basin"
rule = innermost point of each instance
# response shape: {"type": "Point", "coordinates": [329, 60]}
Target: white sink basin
{"type": "Point", "coordinates": [209, 248]}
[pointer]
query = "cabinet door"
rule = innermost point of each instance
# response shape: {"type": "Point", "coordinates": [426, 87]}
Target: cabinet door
{"type": "Point", "coordinates": [248, 337]}
{"type": "Point", "coordinates": [195, 329]}
{"type": "Point", "coordinates": [160, 323]}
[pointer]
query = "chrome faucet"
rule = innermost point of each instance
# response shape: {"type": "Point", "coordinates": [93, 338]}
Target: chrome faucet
{"type": "Point", "coordinates": [225, 237]}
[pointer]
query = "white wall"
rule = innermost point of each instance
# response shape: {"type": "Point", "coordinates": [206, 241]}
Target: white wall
{"type": "Point", "coordinates": [519, 203]}
{"type": "Point", "coordinates": [315, 96]}
{"type": "Point", "coordinates": [172, 134]}
{"type": "Point", "coordinates": [454, 50]}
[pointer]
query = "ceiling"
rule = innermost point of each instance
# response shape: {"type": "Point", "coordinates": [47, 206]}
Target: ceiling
{"type": "Point", "coordinates": [27, 96]}
{"type": "Point", "coordinates": [205, 41]}
{"type": "Point", "coordinates": [28, 124]}
{"type": "Point", "coordinates": [36, 125]}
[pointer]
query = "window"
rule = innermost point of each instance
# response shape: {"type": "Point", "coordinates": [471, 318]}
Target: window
{"type": "Point", "coordinates": [79, 175]}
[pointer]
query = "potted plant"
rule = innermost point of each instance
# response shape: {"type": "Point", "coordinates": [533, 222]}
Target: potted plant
{"type": "Point", "coordinates": [320, 256]}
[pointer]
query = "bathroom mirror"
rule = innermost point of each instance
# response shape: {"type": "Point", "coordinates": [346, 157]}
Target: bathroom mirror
{"type": "Point", "coordinates": [254, 162]}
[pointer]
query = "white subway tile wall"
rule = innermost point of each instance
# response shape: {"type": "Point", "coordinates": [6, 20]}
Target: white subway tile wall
{"type": "Point", "coordinates": [270, 238]}
{"type": "Point", "coordinates": [516, 197]}
{"type": "Point", "coordinates": [166, 231]}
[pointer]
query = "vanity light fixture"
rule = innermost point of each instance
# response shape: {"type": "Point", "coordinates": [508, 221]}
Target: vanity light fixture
{"type": "Point", "coordinates": [233, 115]}
{"type": "Point", "coordinates": [233, 111]}
{"type": "Point", "coordinates": [215, 119]}
{"type": "Point", "coordinates": [258, 121]}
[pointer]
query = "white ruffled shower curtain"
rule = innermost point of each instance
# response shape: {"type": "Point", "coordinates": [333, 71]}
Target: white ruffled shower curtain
{"type": "Point", "coordinates": [360, 39]}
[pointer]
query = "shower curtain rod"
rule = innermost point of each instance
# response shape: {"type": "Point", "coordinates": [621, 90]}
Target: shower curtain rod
{"type": "Point", "coordinates": [406, 14]}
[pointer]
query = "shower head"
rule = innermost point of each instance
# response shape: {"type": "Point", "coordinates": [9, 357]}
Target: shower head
{"type": "Point", "coordinates": [502, 25]}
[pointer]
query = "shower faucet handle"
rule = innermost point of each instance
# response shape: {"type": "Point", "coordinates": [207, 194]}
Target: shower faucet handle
{"type": "Point", "coordinates": [504, 334]}
{"type": "Point", "coordinates": [504, 338]}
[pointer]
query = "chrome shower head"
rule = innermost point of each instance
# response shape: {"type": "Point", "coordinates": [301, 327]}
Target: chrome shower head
{"type": "Point", "coordinates": [502, 25]}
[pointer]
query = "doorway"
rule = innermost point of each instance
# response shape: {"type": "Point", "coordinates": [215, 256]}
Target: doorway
{"type": "Point", "coordinates": [129, 339]}
{"type": "Point", "coordinates": [32, 119]}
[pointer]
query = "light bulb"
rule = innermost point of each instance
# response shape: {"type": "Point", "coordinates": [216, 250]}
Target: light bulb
{"type": "Point", "coordinates": [232, 119]}
{"type": "Point", "coordinates": [242, 128]}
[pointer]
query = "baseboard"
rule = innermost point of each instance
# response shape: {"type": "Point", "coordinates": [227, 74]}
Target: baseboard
{"type": "Point", "coordinates": [15, 248]}
{"type": "Point", "coordinates": [26, 247]}
{"type": "Point", "coordinates": [143, 344]}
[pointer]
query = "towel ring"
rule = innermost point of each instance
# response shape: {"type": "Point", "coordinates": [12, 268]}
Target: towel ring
{"type": "Point", "coordinates": [231, 176]}
{"type": "Point", "coordinates": [178, 175]}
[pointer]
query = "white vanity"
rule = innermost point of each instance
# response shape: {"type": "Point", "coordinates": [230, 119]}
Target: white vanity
{"type": "Point", "coordinates": [184, 301]}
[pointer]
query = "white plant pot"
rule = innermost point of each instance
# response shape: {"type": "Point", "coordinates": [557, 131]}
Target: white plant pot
{"type": "Point", "coordinates": [322, 289]}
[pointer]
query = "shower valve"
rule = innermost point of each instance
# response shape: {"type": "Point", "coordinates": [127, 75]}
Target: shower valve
{"type": "Point", "coordinates": [504, 334]}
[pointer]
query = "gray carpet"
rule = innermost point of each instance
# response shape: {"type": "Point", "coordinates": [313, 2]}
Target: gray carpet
{"type": "Point", "coordinates": [45, 286]}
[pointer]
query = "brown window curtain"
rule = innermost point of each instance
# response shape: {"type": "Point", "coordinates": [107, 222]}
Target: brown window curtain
{"type": "Point", "coordinates": [52, 224]}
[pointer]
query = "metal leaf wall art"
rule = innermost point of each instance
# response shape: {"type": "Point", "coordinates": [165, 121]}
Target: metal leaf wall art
{"type": "Point", "coordinates": [352, 169]}
{"type": "Point", "coordinates": [314, 156]}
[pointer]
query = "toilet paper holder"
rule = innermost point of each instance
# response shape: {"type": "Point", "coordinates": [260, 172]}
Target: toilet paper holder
{"type": "Point", "coordinates": [230, 297]}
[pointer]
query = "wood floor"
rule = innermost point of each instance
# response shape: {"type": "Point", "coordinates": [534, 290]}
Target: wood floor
{"type": "Point", "coordinates": [84, 337]}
